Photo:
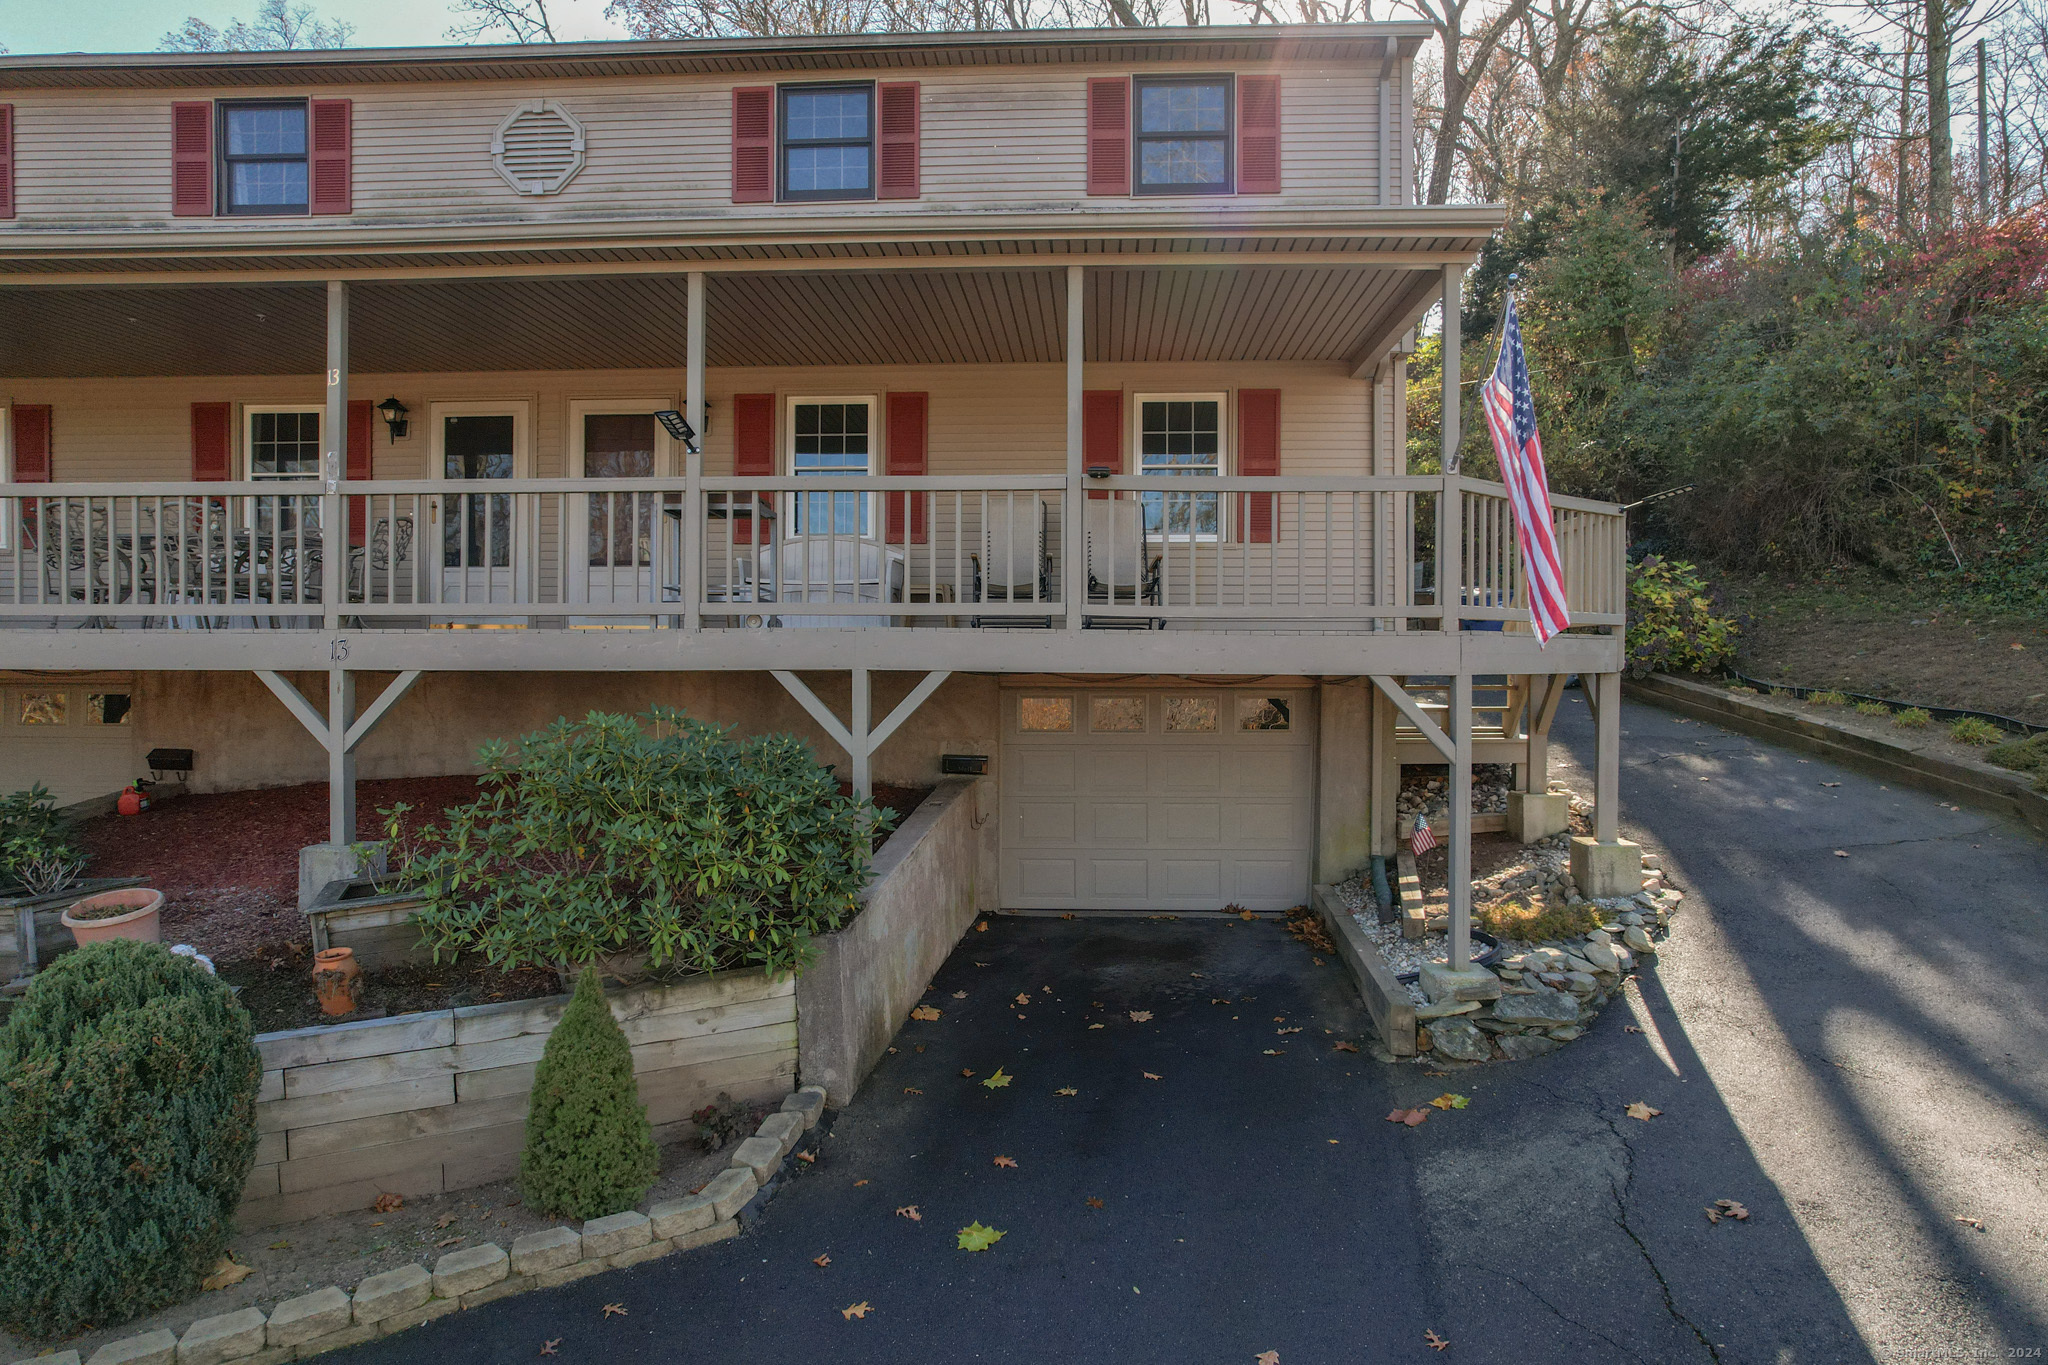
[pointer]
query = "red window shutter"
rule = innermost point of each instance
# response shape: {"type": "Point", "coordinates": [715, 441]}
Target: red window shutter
{"type": "Point", "coordinates": [32, 443]}
{"type": "Point", "coordinates": [1258, 135]}
{"type": "Point", "coordinates": [753, 144]}
{"type": "Point", "coordinates": [362, 440]}
{"type": "Point", "coordinates": [908, 426]}
{"type": "Point", "coordinates": [1102, 431]}
{"type": "Point", "coordinates": [1258, 457]}
{"type": "Point", "coordinates": [1109, 135]}
{"type": "Point", "coordinates": [753, 456]}
{"type": "Point", "coordinates": [330, 173]}
{"type": "Point", "coordinates": [212, 424]}
{"type": "Point", "coordinates": [899, 122]}
{"type": "Point", "coordinates": [6, 161]}
{"type": "Point", "coordinates": [192, 159]}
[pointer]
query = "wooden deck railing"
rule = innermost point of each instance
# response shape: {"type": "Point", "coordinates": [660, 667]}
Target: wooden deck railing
{"type": "Point", "coordinates": [719, 553]}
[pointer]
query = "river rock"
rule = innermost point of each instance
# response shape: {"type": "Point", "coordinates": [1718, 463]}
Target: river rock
{"type": "Point", "coordinates": [1544, 1007]}
{"type": "Point", "coordinates": [1459, 1040]}
{"type": "Point", "coordinates": [1601, 957]}
{"type": "Point", "coordinates": [1638, 940]}
{"type": "Point", "coordinates": [1522, 1046]}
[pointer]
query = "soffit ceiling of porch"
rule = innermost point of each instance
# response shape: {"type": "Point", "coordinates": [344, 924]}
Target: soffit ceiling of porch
{"type": "Point", "coordinates": [1229, 313]}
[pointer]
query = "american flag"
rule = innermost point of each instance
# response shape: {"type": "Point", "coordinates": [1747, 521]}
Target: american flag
{"type": "Point", "coordinates": [1511, 419]}
{"type": "Point", "coordinates": [1422, 841]}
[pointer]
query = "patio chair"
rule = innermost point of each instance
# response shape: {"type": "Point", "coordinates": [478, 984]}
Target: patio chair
{"type": "Point", "coordinates": [835, 569]}
{"type": "Point", "coordinates": [1012, 565]}
{"type": "Point", "coordinates": [1122, 566]}
{"type": "Point", "coordinates": [379, 555]}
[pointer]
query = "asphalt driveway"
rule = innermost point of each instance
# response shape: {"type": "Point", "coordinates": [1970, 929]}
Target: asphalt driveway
{"type": "Point", "coordinates": [1851, 1046]}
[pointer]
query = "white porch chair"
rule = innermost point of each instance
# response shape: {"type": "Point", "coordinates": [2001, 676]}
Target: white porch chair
{"type": "Point", "coordinates": [1123, 566]}
{"type": "Point", "coordinates": [1012, 565]}
{"type": "Point", "coordinates": [834, 569]}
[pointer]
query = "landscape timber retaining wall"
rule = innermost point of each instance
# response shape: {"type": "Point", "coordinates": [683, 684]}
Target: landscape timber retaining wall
{"type": "Point", "coordinates": [423, 1103]}
{"type": "Point", "coordinates": [933, 876]}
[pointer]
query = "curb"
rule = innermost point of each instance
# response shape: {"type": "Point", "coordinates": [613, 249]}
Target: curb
{"type": "Point", "coordinates": [1386, 1000]}
{"type": "Point", "coordinates": [1981, 784]}
{"type": "Point", "coordinates": [393, 1300]}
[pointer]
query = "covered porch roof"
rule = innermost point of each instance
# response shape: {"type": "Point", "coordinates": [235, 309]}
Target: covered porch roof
{"type": "Point", "coordinates": [1329, 307]}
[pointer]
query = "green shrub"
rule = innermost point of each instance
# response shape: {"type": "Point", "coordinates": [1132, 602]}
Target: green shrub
{"type": "Point", "coordinates": [1912, 718]}
{"type": "Point", "coordinates": [671, 838]}
{"type": "Point", "coordinates": [127, 1128]}
{"type": "Point", "coordinates": [36, 852]}
{"type": "Point", "coordinates": [2025, 756]}
{"type": "Point", "coordinates": [1872, 708]}
{"type": "Point", "coordinates": [1673, 624]}
{"type": "Point", "coordinates": [1974, 730]}
{"type": "Point", "coordinates": [589, 1148]}
{"type": "Point", "coordinates": [1826, 699]}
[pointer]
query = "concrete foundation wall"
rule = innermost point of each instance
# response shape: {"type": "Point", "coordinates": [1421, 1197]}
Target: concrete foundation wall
{"type": "Point", "coordinates": [430, 1102]}
{"type": "Point", "coordinates": [935, 874]}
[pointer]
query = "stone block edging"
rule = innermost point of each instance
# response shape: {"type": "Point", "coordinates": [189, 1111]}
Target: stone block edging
{"type": "Point", "coordinates": [1386, 1000]}
{"type": "Point", "coordinates": [406, 1296]}
{"type": "Point", "coordinates": [1797, 727]}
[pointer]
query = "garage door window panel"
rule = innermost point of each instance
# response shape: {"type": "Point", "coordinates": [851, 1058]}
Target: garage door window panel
{"type": "Point", "coordinates": [43, 708]}
{"type": "Point", "coordinates": [1191, 715]}
{"type": "Point", "coordinates": [1116, 715]}
{"type": "Point", "coordinates": [108, 708]}
{"type": "Point", "coordinates": [1264, 713]}
{"type": "Point", "coordinates": [1045, 715]}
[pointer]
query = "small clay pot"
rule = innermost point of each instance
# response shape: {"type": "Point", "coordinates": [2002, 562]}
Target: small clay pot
{"type": "Point", "coordinates": [337, 980]}
{"type": "Point", "coordinates": [127, 913]}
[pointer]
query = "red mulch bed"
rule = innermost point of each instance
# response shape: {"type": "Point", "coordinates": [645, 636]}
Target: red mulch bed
{"type": "Point", "coordinates": [228, 862]}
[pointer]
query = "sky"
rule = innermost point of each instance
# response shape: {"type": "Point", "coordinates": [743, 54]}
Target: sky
{"type": "Point", "coordinates": [139, 25]}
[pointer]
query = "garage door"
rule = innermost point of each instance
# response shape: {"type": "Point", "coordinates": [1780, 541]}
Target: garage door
{"type": "Point", "coordinates": [1189, 799]}
{"type": "Point", "coordinates": [77, 739]}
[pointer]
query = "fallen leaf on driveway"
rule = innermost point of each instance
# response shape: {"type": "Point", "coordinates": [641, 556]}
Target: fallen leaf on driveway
{"type": "Point", "coordinates": [547, 1348]}
{"type": "Point", "coordinates": [1433, 1341]}
{"type": "Point", "coordinates": [912, 1090]}
{"type": "Point", "coordinates": [1095, 1026]}
{"type": "Point", "coordinates": [1141, 1016]}
{"type": "Point", "coordinates": [1276, 1052]}
{"type": "Point", "coordinates": [1411, 1117]}
{"type": "Point", "coordinates": [1726, 1208]}
{"type": "Point", "coordinates": [1007, 1163]}
{"type": "Point", "coordinates": [388, 1203]}
{"type": "Point", "coordinates": [966, 1071]}
{"type": "Point", "coordinates": [615, 1310]}
{"type": "Point", "coordinates": [858, 1183]}
{"type": "Point", "coordinates": [1150, 1076]}
{"type": "Point", "coordinates": [981, 928]}
{"type": "Point", "coordinates": [910, 1211]}
{"type": "Point", "coordinates": [1977, 1223]}
{"type": "Point", "coordinates": [1295, 1029]}
{"type": "Point", "coordinates": [1246, 915]}
{"type": "Point", "coordinates": [1066, 1090]}
{"type": "Point", "coordinates": [1092, 1202]}
{"type": "Point", "coordinates": [1630, 1028]}
{"type": "Point", "coordinates": [1022, 998]}
{"type": "Point", "coordinates": [448, 1242]}
{"type": "Point", "coordinates": [226, 1272]}
{"type": "Point", "coordinates": [443, 1221]}
{"type": "Point", "coordinates": [860, 1310]}
{"type": "Point", "coordinates": [821, 1261]}
{"type": "Point", "coordinates": [1448, 1101]}
{"type": "Point", "coordinates": [1267, 1358]}
{"type": "Point", "coordinates": [998, 1080]}
{"type": "Point", "coordinates": [975, 1237]}
{"type": "Point", "coordinates": [1341, 1046]}
{"type": "Point", "coordinates": [925, 1012]}
{"type": "Point", "coordinates": [1831, 784]}
{"type": "Point", "coordinates": [1642, 1111]}
{"type": "Point", "coordinates": [808, 1158]}
{"type": "Point", "coordinates": [959, 995]}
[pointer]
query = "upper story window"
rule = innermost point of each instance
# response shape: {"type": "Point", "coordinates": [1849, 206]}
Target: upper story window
{"type": "Point", "coordinates": [1181, 133]}
{"type": "Point", "coordinates": [828, 142]}
{"type": "Point", "coordinates": [263, 161]}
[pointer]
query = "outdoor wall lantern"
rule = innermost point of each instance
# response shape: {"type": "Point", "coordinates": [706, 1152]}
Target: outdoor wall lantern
{"type": "Point", "coordinates": [393, 412]}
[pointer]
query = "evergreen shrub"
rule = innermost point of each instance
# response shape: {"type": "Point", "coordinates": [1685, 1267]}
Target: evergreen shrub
{"type": "Point", "coordinates": [1674, 625]}
{"type": "Point", "coordinates": [128, 1080]}
{"type": "Point", "coordinates": [589, 1148]}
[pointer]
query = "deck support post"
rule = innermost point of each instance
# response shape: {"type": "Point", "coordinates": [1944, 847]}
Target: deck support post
{"type": "Point", "coordinates": [1607, 758]}
{"type": "Point", "coordinates": [859, 738]}
{"type": "Point", "coordinates": [1386, 779]}
{"type": "Point", "coordinates": [334, 452]}
{"type": "Point", "coordinates": [1450, 533]}
{"type": "Point", "coordinates": [1073, 549]}
{"type": "Point", "coordinates": [339, 732]}
{"type": "Point", "coordinates": [1460, 955]}
{"type": "Point", "coordinates": [692, 547]}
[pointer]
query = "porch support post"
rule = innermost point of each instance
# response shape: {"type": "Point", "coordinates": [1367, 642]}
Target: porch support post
{"type": "Point", "coordinates": [692, 547]}
{"type": "Point", "coordinates": [334, 430]}
{"type": "Point", "coordinates": [1449, 518]}
{"type": "Point", "coordinates": [1386, 778]}
{"type": "Point", "coordinates": [860, 737]}
{"type": "Point", "coordinates": [1460, 956]}
{"type": "Point", "coordinates": [341, 759]}
{"type": "Point", "coordinates": [859, 713]}
{"type": "Point", "coordinates": [1073, 551]}
{"type": "Point", "coordinates": [1607, 759]}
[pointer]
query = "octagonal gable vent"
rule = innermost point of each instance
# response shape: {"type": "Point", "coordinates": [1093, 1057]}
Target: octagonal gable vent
{"type": "Point", "coordinates": [538, 148]}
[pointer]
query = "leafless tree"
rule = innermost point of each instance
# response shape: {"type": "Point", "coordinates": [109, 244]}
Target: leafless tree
{"type": "Point", "coordinates": [278, 26]}
{"type": "Point", "coordinates": [1471, 41]}
{"type": "Point", "coordinates": [503, 21]}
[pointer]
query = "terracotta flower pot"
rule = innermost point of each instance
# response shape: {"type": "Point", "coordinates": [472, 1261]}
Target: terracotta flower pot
{"type": "Point", "coordinates": [129, 913]}
{"type": "Point", "coordinates": [337, 980]}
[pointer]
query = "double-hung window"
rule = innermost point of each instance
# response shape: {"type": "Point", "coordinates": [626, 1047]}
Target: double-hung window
{"type": "Point", "coordinates": [827, 142]}
{"type": "Point", "coordinates": [1182, 135]}
{"type": "Point", "coordinates": [1181, 435]}
{"type": "Point", "coordinates": [263, 164]}
{"type": "Point", "coordinates": [283, 446]}
{"type": "Point", "coordinates": [831, 437]}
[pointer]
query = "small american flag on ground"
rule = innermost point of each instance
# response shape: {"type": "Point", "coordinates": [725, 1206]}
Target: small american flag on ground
{"type": "Point", "coordinates": [1422, 841]}
{"type": "Point", "coordinates": [1511, 420]}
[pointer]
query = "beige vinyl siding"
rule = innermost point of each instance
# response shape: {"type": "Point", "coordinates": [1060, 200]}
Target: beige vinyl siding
{"type": "Point", "coordinates": [992, 138]}
{"type": "Point", "coordinates": [983, 418]}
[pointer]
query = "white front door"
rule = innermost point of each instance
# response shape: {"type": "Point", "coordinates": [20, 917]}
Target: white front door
{"type": "Point", "coordinates": [1172, 799]}
{"type": "Point", "coordinates": [484, 538]}
{"type": "Point", "coordinates": [616, 545]}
